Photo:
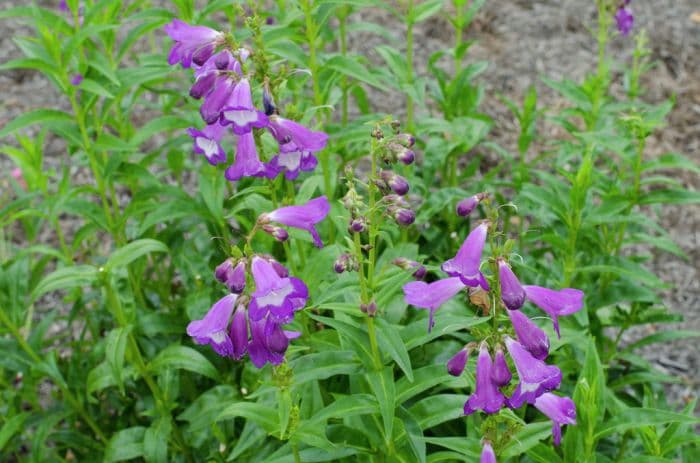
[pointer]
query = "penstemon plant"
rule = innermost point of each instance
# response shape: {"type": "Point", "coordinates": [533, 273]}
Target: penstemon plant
{"type": "Point", "coordinates": [243, 276]}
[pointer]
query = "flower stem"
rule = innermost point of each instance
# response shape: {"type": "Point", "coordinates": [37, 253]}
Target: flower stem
{"type": "Point", "coordinates": [409, 63]}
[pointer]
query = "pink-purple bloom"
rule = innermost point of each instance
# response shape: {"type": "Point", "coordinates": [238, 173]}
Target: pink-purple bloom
{"type": "Point", "coordinates": [487, 454]}
{"type": "Point", "coordinates": [624, 19]}
{"type": "Point", "coordinates": [193, 44]}
{"type": "Point", "coordinates": [561, 410]}
{"type": "Point", "coordinates": [303, 217]}
{"type": "Point", "coordinates": [500, 374]}
{"type": "Point", "coordinates": [287, 131]}
{"type": "Point", "coordinates": [556, 303]}
{"type": "Point", "coordinates": [431, 295]}
{"type": "Point", "coordinates": [247, 162]}
{"type": "Point", "coordinates": [240, 112]}
{"type": "Point", "coordinates": [486, 396]}
{"type": "Point", "coordinates": [76, 79]}
{"type": "Point", "coordinates": [213, 328]}
{"type": "Point", "coordinates": [233, 276]}
{"type": "Point", "coordinates": [268, 342]}
{"type": "Point", "coordinates": [217, 98]}
{"type": "Point", "coordinates": [512, 292]}
{"type": "Point", "coordinates": [455, 366]}
{"type": "Point", "coordinates": [291, 160]}
{"type": "Point", "coordinates": [530, 335]}
{"type": "Point", "coordinates": [467, 262]}
{"type": "Point", "coordinates": [536, 377]}
{"type": "Point", "coordinates": [207, 142]}
{"type": "Point", "coordinates": [239, 332]}
{"type": "Point", "coordinates": [275, 296]}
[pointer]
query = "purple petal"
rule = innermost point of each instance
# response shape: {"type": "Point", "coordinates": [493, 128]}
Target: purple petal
{"type": "Point", "coordinates": [468, 259]}
{"type": "Point", "coordinates": [555, 303]}
{"type": "Point", "coordinates": [239, 332]}
{"type": "Point", "coordinates": [207, 142]}
{"type": "Point", "coordinates": [303, 217]}
{"type": "Point", "coordinates": [486, 396]}
{"type": "Point", "coordinates": [530, 335]}
{"type": "Point", "coordinates": [561, 410]}
{"type": "Point", "coordinates": [500, 374]}
{"type": "Point", "coordinates": [487, 455]}
{"type": "Point", "coordinates": [247, 163]}
{"type": "Point", "coordinates": [213, 328]}
{"type": "Point", "coordinates": [512, 292]}
{"type": "Point", "coordinates": [455, 366]}
{"type": "Point", "coordinates": [286, 131]}
{"type": "Point", "coordinates": [431, 295]}
{"type": "Point", "coordinates": [535, 376]}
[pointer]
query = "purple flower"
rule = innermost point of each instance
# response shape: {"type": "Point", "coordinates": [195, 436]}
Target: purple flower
{"type": "Point", "coordinates": [232, 276]}
{"type": "Point", "coordinates": [455, 366]}
{"type": "Point", "coordinates": [624, 19]}
{"type": "Point", "coordinates": [268, 342]}
{"type": "Point", "coordinates": [431, 295]}
{"type": "Point", "coordinates": [217, 98]}
{"type": "Point", "coordinates": [556, 303]}
{"type": "Point", "coordinates": [286, 131]}
{"type": "Point", "coordinates": [536, 377]}
{"type": "Point", "coordinates": [561, 410]}
{"type": "Point", "coordinates": [213, 328]}
{"type": "Point", "coordinates": [466, 263]}
{"type": "Point", "coordinates": [512, 292]}
{"type": "Point", "coordinates": [63, 6]}
{"type": "Point", "coordinates": [247, 163]}
{"type": "Point", "coordinates": [207, 142]}
{"type": "Point", "coordinates": [301, 217]}
{"type": "Point", "coordinates": [279, 297]}
{"type": "Point", "coordinates": [239, 332]}
{"type": "Point", "coordinates": [76, 80]}
{"type": "Point", "coordinates": [240, 112]}
{"type": "Point", "coordinates": [467, 205]}
{"type": "Point", "coordinates": [291, 160]}
{"type": "Point", "coordinates": [487, 455]}
{"type": "Point", "coordinates": [486, 396]}
{"type": "Point", "coordinates": [500, 374]}
{"type": "Point", "coordinates": [192, 43]}
{"type": "Point", "coordinates": [530, 335]}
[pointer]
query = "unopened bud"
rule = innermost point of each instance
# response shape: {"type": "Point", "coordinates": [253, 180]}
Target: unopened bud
{"type": "Point", "coordinates": [397, 183]}
{"type": "Point", "coordinates": [279, 233]}
{"type": "Point", "coordinates": [467, 205]}
{"type": "Point", "coordinates": [268, 101]}
{"type": "Point", "coordinates": [357, 225]}
{"type": "Point", "coordinates": [404, 217]}
{"type": "Point", "coordinates": [405, 139]}
{"type": "Point", "coordinates": [377, 133]}
{"type": "Point", "coordinates": [406, 156]}
{"type": "Point", "coordinates": [370, 309]}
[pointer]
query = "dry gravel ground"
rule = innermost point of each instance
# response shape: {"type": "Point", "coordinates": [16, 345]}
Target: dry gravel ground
{"type": "Point", "coordinates": [523, 40]}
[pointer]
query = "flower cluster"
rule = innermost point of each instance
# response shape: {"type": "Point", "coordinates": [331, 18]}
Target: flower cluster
{"type": "Point", "coordinates": [624, 17]}
{"type": "Point", "coordinates": [224, 85]}
{"type": "Point", "coordinates": [527, 349]}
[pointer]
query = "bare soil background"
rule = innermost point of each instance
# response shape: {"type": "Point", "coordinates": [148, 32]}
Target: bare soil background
{"type": "Point", "coordinates": [523, 40]}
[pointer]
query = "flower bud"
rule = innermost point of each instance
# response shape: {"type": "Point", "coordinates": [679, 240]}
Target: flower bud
{"type": "Point", "coordinates": [405, 139]}
{"type": "Point", "coordinates": [280, 269]}
{"type": "Point", "coordinates": [512, 292]}
{"type": "Point", "coordinates": [467, 205]}
{"type": "Point", "coordinates": [404, 217]}
{"type": "Point", "coordinates": [370, 309]}
{"type": "Point", "coordinates": [406, 156]}
{"type": "Point", "coordinates": [500, 374]}
{"type": "Point", "coordinates": [268, 101]}
{"type": "Point", "coordinates": [357, 225]}
{"type": "Point", "coordinates": [279, 233]}
{"type": "Point", "coordinates": [397, 183]}
{"type": "Point", "coordinates": [222, 60]}
{"type": "Point", "coordinates": [455, 366]}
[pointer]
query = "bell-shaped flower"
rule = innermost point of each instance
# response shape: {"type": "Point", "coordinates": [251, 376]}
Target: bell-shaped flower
{"type": "Point", "coordinates": [624, 20]}
{"type": "Point", "coordinates": [217, 98]}
{"type": "Point", "coordinates": [556, 303]}
{"type": "Point", "coordinates": [561, 410]}
{"type": "Point", "coordinates": [487, 454]}
{"type": "Point", "coordinates": [303, 217]}
{"type": "Point", "coordinates": [207, 142]}
{"type": "Point", "coordinates": [287, 131]}
{"type": "Point", "coordinates": [500, 374]}
{"type": "Point", "coordinates": [530, 335]}
{"type": "Point", "coordinates": [291, 160]}
{"type": "Point", "coordinates": [536, 377]}
{"type": "Point", "coordinates": [431, 295]}
{"type": "Point", "coordinates": [213, 328]}
{"type": "Point", "coordinates": [239, 332]}
{"type": "Point", "coordinates": [512, 292]}
{"type": "Point", "coordinates": [486, 396]}
{"type": "Point", "coordinates": [279, 297]}
{"type": "Point", "coordinates": [268, 342]}
{"type": "Point", "coordinates": [467, 262]}
{"type": "Point", "coordinates": [455, 366]}
{"type": "Point", "coordinates": [193, 44]}
{"type": "Point", "coordinates": [247, 162]}
{"type": "Point", "coordinates": [240, 112]}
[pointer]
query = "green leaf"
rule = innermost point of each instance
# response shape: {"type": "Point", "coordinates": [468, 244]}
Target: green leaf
{"type": "Point", "coordinates": [543, 453]}
{"type": "Point", "coordinates": [467, 447]}
{"type": "Point", "coordinates": [670, 197]}
{"type": "Point", "coordinates": [115, 350]}
{"type": "Point", "coordinates": [417, 334]}
{"type": "Point", "coordinates": [65, 278]}
{"type": "Point", "coordinates": [185, 358]}
{"type": "Point", "coordinates": [426, 9]}
{"type": "Point", "coordinates": [323, 365]}
{"type": "Point", "coordinates": [526, 438]}
{"type": "Point", "coordinates": [132, 251]}
{"type": "Point", "coordinates": [425, 378]}
{"type": "Point", "coordinates": [160, 124]}
{"type": "Point", "coordinates": [10, 428]}
{"type": "Point", "coordinates": [95, 87]}
{"type": "Point", "coordinates": [382, 384]}
{"type": "Point", "coordinates": [155, 441]}
{"type": "Point", "coordinates": [633, 418]}
{"type": "Point", "coordinates": [124, 445]}
{"type": "Point", "coordinates": [662, 336]}
{"type": "Point", "coordinates": [38, 116]}
{"type": "Point", "coordinates": [437, 409]}
{"type": "Point", "coordinates": [345, 406]}
{"type": "Point", "coordinates": [671, 161]}
{"type": "Point", "coordinates": [390, 341]}
{"type": "Point", "coordinates": [261, 414]}
{"type": "Point", "coordinates": [352, 68]}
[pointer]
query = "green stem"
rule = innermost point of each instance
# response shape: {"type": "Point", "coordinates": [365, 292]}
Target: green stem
{"type": "Point", "coordinates": [409, 64]}
{"type": "Point", "coordinates": [372, 332]}
{"type": "Point", "coordinates": [297, 455]}
{"type": "Point", "coordinates": [137, 357]}
{"type": "Point", "coordinates": [373, 219]}
{"type": "Point", "coordinates": [72, 400]}
{"type": "Point", "coordinates": [343, 51]}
